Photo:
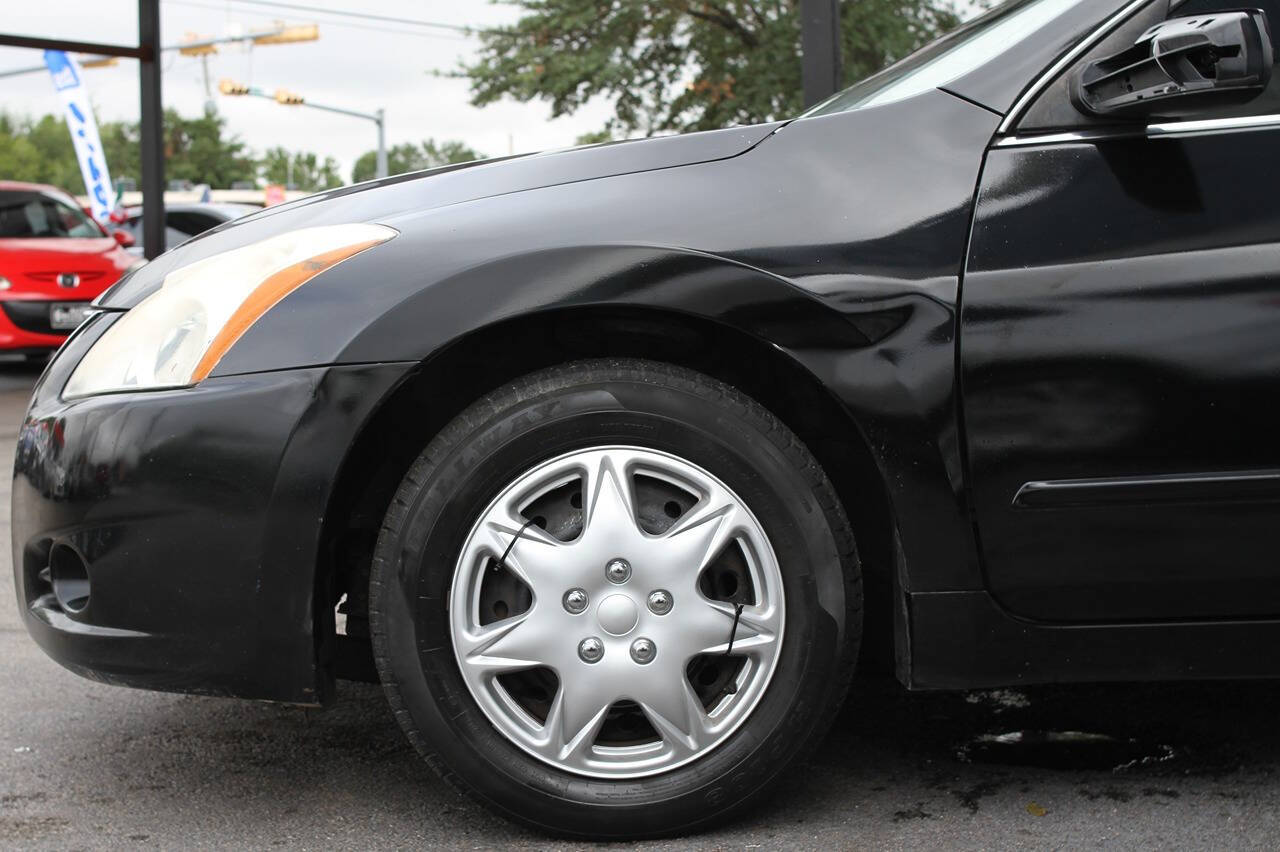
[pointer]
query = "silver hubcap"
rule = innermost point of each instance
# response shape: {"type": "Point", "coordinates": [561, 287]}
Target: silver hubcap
{"type": "Point", "coordinates": [599, 644]}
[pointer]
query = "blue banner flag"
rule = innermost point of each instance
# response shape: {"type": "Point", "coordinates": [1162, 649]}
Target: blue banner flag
{"type": "Point", "coordinates": [68, 80]}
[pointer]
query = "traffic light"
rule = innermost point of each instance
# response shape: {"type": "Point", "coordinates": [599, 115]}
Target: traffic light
{"type": "Point", "coordinates": [287, 35]}
{"type": "Point", "coordinates": [231, 87]}
{"type": "Point", "coordinates": [199, 47]}
{"type": "Point", "coordinates": [284, 96]}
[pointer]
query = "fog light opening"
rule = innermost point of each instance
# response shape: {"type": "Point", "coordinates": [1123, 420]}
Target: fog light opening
{"type": "Point", "coordinates": [70, 577]}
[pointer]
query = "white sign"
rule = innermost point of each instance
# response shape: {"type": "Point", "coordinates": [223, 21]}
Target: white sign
{"type": "Point", "coordinates": [67, 79]}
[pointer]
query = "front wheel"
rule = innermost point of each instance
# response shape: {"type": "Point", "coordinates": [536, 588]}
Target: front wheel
{"type": "Point", "coordinates": [615, 599]}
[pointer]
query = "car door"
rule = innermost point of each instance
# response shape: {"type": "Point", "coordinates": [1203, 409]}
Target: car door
{"type": "Point", "coordinates": [1120, 360]}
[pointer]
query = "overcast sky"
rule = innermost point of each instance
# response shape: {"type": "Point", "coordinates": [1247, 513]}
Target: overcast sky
{"type": "Point", "coordinates": [360, 64]}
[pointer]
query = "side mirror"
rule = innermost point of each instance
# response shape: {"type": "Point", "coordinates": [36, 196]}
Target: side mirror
{"type": "Point", "coordinates": [123, 238]}
{"type": "Point", "coordinates": [1180, 67]}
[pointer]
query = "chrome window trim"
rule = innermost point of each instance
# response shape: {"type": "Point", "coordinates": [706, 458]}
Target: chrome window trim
{"type": "Point", "coordinates": [1025, 99]}
{"type": "Point", "coordinates": [1164, 130]}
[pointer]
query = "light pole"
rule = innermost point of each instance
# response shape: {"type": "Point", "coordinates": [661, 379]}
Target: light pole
{"type": "Point", "coordinates": [283, 96]}
{"type": "Point", "coordinates": [820, 49]}
{"type": "Point", "coordinates": [381, 167]}
{"type": "Point", "coordinates": [378, 117]}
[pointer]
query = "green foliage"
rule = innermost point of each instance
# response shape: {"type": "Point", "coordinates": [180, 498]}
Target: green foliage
{"type": "Point", "coordinates": [309, 173]}
{"type": "Point", "coordinates": [594, 138]}
{"type": "Point", "coordinates": [195, 149]}
{"type": "Point", "coordinates": [684, 64]}
{"type": "Point", "coordinates": [39, 152]}
{"type": "Point", "coordinates": [123, 148]}
{"type": "Point", "coordinates": [399, 160]}
{"type": "Point", "coordinates": [413, 158]}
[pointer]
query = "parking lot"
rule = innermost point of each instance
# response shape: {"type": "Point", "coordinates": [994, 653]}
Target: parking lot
{"type": "Point", "coordinates": [84, 765]}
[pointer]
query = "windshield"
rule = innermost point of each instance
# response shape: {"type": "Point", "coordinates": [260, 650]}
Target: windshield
{"type": "Point", "coordinates": [34, 214]}
{"type": "Point", "coordinates": [951, 56]}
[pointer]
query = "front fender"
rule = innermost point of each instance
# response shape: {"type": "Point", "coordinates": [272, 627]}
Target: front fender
{"type": "Point", "coordinates": [821, 241]}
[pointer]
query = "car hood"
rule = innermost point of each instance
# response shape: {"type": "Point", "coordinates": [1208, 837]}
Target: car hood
{"type": "Point", "coordinates": [35, 266]}
{"type": "Point", "coordinates": [41, 251]}
{"type": "Point", "coordinates": [389, 198]}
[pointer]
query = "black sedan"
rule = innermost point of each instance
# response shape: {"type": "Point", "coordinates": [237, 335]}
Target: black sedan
{"type": "Point", "coordinates": [598, 459]}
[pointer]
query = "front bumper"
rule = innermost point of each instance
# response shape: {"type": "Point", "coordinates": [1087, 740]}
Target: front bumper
{"type": "Point", "coordinates": [198, 513]}
{"type": "Point", "coordinates": [24, 326]}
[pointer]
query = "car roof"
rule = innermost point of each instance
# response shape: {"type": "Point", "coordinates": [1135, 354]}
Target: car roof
{"type": "Point", "coordinates": [225, 208]}
{"type": "Point", "coordinates": [22, 186]}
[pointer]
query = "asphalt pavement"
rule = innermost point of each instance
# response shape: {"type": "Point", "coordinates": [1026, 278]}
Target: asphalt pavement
{"type": "Point", "coordinates": [87, 766]}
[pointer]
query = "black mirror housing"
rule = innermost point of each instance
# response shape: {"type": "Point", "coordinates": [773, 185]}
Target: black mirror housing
{"type": "Point", "coordinates": [1180, 67]}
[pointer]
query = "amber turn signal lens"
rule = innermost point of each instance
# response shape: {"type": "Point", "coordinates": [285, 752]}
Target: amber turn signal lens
{"type": "Point", "coordinates": [266, 296]}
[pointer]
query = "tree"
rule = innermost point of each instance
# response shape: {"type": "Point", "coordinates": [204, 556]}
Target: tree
{"type": "Point", "coordinates": [39, 152]}
{"type": "Point", "coordinates": [684, 64]}
{"type": "Point", "coordinates": [412, 158]}
{"type": "Point", "coordinates": [122, 145]}
{"type": "Point", "coordinates": [196, 149]}
{"type": "Point", "coordinates": [309, 173]}
{"type": "Point", "coordinates": [595, 137]}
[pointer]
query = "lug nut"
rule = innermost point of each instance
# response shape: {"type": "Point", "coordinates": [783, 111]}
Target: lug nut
{"type": "Point", "coordinates": [618, 570]}
{"type": "Point", "coordinates": [591, 650]}
{"type": "Point", "coordinates": [575, 600]}
{"type": "Point", "coordinates": [643, 651]}
{"type": "Point", "coordinates": [660, 602]}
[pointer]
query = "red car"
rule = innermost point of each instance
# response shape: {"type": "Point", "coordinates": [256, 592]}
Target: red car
{"type": "Point", "coordinates": [54, 260]}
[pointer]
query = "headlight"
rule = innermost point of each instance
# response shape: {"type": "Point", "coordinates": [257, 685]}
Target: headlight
{"type": "Point", "coordinates": [177, 335]}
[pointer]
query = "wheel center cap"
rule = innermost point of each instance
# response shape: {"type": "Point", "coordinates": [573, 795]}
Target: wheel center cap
{"type": "Point", "coordinates": [617, 615]}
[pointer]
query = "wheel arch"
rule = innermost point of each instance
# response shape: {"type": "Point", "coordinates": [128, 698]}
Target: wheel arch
{"type": "Point", "coordinates": [475, 363]}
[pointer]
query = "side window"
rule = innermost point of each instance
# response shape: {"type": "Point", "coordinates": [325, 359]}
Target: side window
{"type": "Point", "coordinates": [1052, 110]}
{"type": "Point", "coordinates": [191, 223]}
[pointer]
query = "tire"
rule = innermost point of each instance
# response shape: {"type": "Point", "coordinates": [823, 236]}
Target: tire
{"type": "Point", "coordinates": [668, 416]}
